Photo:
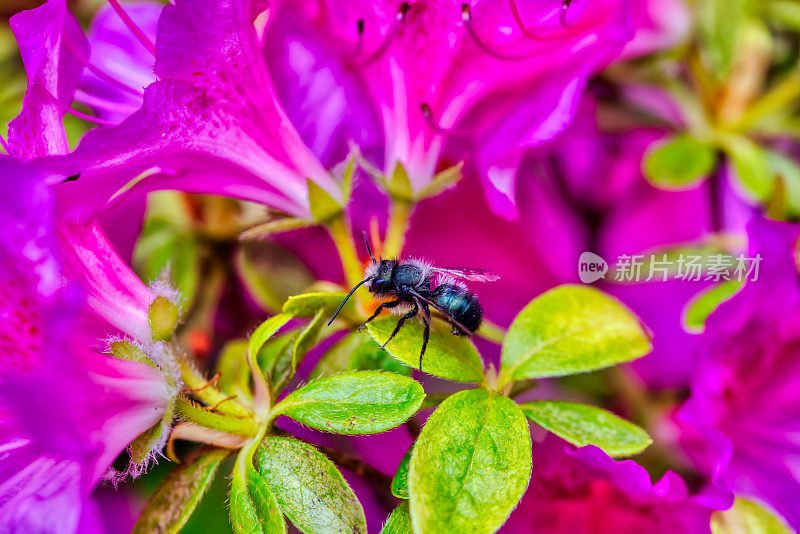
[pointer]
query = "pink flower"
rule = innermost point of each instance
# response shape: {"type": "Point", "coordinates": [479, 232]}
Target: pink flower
{"type": "Point", "coordinates": [576, 491]}
{"type": "Point", "coordinates": [66, 409]}
{"type": "Point", "coordinates": [438, 79]}
{"type": "Point", "coordinates": [211, 124]}
{"type": "Point", "coordinates": [743, 417]}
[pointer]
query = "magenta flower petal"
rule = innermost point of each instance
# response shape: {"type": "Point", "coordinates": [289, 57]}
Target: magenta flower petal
{"type": "Point", "coordinates": [584, 490]}
{"type": "Point", "coordinates": [742, 419]}
{"type": "Point", "coordinates": [475, 80]}
{"type": "Point", "coordinates": [117, 53]}
{"type": "Point", "coordinates": [66, 411]}
{"type": "Point", "coordinates": [50, 40]}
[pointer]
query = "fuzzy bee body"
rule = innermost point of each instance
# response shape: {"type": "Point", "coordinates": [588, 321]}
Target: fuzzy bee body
{"type": "Point", "coordinates": [416, 286]}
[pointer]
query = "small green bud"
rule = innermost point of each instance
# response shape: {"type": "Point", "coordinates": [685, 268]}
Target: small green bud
{"type": "Point", "coordinates": [162, 315]}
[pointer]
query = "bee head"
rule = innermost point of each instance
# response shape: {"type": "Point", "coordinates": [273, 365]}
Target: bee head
{"type": "Point", "coordinates": [380, 275]}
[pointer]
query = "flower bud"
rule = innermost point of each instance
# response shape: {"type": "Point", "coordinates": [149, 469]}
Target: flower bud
{"type": "Point", "coordinates": [163, 315]}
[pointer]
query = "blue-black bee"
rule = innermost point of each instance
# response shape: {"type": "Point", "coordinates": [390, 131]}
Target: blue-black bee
{"type": "Point", "coordinates": [416, 286]}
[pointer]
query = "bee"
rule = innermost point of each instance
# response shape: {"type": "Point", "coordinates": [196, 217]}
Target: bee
{"type": "Point", "coordinates": [416, 286]}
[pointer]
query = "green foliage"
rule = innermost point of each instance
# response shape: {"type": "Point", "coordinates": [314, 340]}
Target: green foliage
{"type": "Point", "coordinates": [308, 304]}
{"type": "Point", "coordinates": [447, 356]}
{"type": "Point", "coordinates": [265, 331]}
{"type": "Point", "coordinates": [705, 302]}
{"type": "Point", "coordinates": [271, 273]}
{"type": "Point", "coordinates": [234, 373]}
{"type": "Point", "coordinates": [399, 522]}
{"type": "Point", "coordinates": [357, 352]}
{"type": "Point", "coordinates": [358, 402]}
{"type": "Point", "coordinates": [748, 517]}
{"type": "Point", "coordinates": [253, 507]}
{"type": "Point", "coordinates": [308, 487]}
{"type": "Point", "coordinates": [167, 244]}
{"type": "Point", "coordinates": [323, 206]}
{"type": "Point", "coordinates": [570, 329]}
{"type": "Point", "coordinates": [400, 480]}
{"type": "Point", "coordinates": [587, 425]}
{"type": "Point", "coordinates": [471, 464]}
{"type": "Point", "coordinates": [178, 495]}
{"type": "Point", "coordinates": [721, 25]}
{"type": "Point", "coordinates": [232, 425]}
{"type": "Point", "coordinates": [752, 165]}
{"type": "Point", "coordinates": [679, 162]}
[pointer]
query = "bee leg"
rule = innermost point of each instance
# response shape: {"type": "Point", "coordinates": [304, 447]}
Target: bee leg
{"type": "Point", "coordinates": [378, 310]}
{"type": "Point", "coordinates": [426, 320]}
{"type": "Point", "coordinates": [402, 320]}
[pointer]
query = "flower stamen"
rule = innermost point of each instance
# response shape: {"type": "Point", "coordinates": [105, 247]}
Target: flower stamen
{"type": "Point", "coordinates": [97, 70]}
{"type": "Point", "coordinates": [401, 16]}
{"type": "Point", "coordinates": [135, 30]}
{"type": "Point", "coordinates": [527, 32]}
{"type": "Point", "coordinates": [427, 112]}
{"type": "Point", "coordinates": [466, 17]}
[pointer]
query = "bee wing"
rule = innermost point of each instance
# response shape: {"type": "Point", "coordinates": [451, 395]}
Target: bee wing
{"type": "Point", "coordinates": [470, 275]}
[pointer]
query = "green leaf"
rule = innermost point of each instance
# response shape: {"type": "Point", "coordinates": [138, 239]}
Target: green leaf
{"type": "Point", "coordinates": [275, 360]}
{"type": "Point", "coordinates": [253, 507]}
{"type": "Point", "coordinates": [470, 465]}
{"type": "Point", "coordinates": [266, 330]}
{"type": "Point", "coordinates": [357, 402]}
{"type": "Point", "coordinates": [679, 162]}
{"type": "Point", "coordinates": [587, 425]}
{"type": "Point", "coordinates": [752, 165]}
{"type": "Point", "coordinates": [357, 352]}
{"type": "Point", "coordinates": [571, 329]}
{"type": "Point", "coordinates": [447, 356]}
{"type": "Point", "coordinates": [721, 25]}
{"type": "Point", "coordinates": [748, 517]}
{"type": "Point", "coordinates": [789, 172]}
{"type": "Point", "coordinates": [271, 273]}
{"type": "Point", "coordinates": [323, 206]}
{"type": "Point", "coordinates": [308, 304]}
{"type": "Point", "coordinates": [705, 302]}
{"type": "Point", "coordinates": [234, 374]}
{"type": "Point", "coordinates": [309, 489]}
{"type": "Point", "coordinates": [165, 248]}
{"type": "Point", "coordinates": [176, 498]}
{"type": "Point", "coordinates": [399, 522]}
{"type": "Point", "coordinates": [307, 338]}
{"type": "Point", "coordinates": [400, 480]}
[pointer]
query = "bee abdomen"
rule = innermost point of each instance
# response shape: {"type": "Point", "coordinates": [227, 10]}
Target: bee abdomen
{"type": "Point", "coordinates": [462, 305]}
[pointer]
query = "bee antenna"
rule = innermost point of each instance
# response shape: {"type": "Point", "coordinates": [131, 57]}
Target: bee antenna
{"type": "Point", "coordinates": [347, 297]}
{"type": "Point", "coordinates": [369, 249]}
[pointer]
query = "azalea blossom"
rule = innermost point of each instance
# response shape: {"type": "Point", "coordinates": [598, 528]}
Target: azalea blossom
{"type": "Point", "coordinates": [66, 408]}
{"type": "Point", "coordinates": [495, 77]}
{"type": "Point", "coordinates": [211, 124]}
{"type": "Point", "coordinates": [584, 490]}
{"type": "Point", "coordinates": [741, 421]}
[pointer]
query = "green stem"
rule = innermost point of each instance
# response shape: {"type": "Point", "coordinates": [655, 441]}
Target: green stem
{"type": "Point", "coordinates": [342, 238]}
{"type": "Point", "coordinates": [190, 411]}
{"type": "Point", "coordinates": [206, 392]}
{"type": "Point", "coordinates": [399, 220]}
{"type": "Point", "coordinates": [776, 99]}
